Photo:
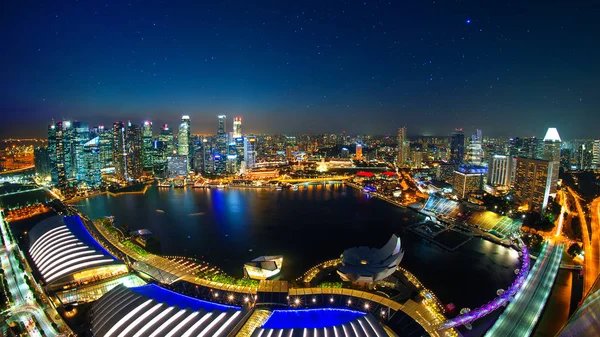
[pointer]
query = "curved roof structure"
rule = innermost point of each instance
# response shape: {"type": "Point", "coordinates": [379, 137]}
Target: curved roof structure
{"type": "Point", "coordinates": [61, 246]}
{"type": "Point", "coordinates": [365, 264]}
{"type": "Point", "coordinates": [320, 322]}
{"type": "Point", "coordinates": [154, 311]}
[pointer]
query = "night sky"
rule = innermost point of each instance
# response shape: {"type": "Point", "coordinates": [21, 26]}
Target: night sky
{"type": "Point", "coordinates": [509, 68]}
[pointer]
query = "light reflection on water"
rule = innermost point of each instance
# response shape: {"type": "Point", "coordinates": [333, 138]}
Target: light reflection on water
{"type": "Point", "coordinates": [316, 223]}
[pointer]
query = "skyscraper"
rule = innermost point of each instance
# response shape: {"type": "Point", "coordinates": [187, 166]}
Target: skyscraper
{"type": "Point", "coordinates": [106, 147]}
{"type": "Point", "coordinates": [468, 179]}
{"type": "Point", "coordinates": [92, 164]}
{"type": "Point", "coordinates": [475, 150]}
{"type": "Point", "coordinates": [118, 149]}
{"type": "Point", "coordinates": [133, 147]}
{"type": "Point", "coordinates": [237, 127]}
{"type": "Point", "coordinates": [222, 145]}
{"type": "Point", "coordinates": [358, 155]}
{"type": "Point", "coordinates": [500, 168]}
{"type": "Point", "coordinates": [81, 135]}
{"type": "Point", "coordinates": [183, 139]}
{"type": "Point", "coordinates": [457, 147]}
{"type": "Point", "coordinates": [250, 151]}
{"type": "Point", "coordinates": [147, 148]}
{"type": "Point", "coordinates": [52, 153]}
{"type": "Point", "coordinates": [403, 148]}
{"type": "Point", "coordinates": [552, 154]}
{"type": "Point", "coordinates": [41, 160]}
{"type": "Point", "coordinates": [596, 154]}
{"type": "Point", "coordinates": [532, 183]}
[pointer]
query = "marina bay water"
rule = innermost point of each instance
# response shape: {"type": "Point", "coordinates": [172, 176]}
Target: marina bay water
{"type": "Point", "coordinates": [232, 226]}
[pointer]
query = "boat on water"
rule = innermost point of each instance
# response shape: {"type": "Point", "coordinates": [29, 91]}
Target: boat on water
{"type": "Point", "coordinates": [164, 183]}
{"type": "Point", "coordinates": [294, 187]}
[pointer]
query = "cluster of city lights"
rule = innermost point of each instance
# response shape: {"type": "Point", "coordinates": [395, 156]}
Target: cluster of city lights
{"type": "Point", "coordinates": [499, 301]}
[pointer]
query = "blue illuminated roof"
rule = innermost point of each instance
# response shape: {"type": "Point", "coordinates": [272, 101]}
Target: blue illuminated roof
{"type": "Point", "coordinates": [172, 298]}
{"type": "Point", "coordinates": [78, 229]}
{"type": "Point", "coordinates": [310, 318]}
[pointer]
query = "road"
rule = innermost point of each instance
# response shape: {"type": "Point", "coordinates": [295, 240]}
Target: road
{"type": "Point", "coordinates": [521, 315]}
{"type": "Point", "coordinates": [23, 307]}
{"type": "Point", "coordinates": [591, 243]}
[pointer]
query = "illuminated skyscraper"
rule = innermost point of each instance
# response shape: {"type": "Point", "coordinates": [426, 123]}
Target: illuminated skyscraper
{"type": "Point", "coordinates": [358, 155]}
{"type": "Point", "coordinates": [468, 179]}
{"type": "Point", "coordinates": [183, 139]}
{"type": "Point", "coordinates": [106, 148]}
{"type": "Point", "coordinates": [457, 147]}
{"type": "Point", "coordinates": [552, 154]}
{"type": "Point", "coordinates": [500, 170]}
{"type": "Point", "coordinates": [532, 183]}
{"type": "Point", "coordinates": [118, 149]}
{"type": "Point", "coordinates": [164, 148]}
{"type": "Point", "coordinates": [147, 148]}
{"type": "Point", "coordinates": [134, 152]}
{"type": "Point", "coordinates": [52, 153]}
{"type": "Point", "coordinates": [250, 151]}
{"type": "Point", "coordinates": [237, 127]}
{"type": "Point", "coordinates": [475, 150]}
{"type": "Point", "coordinates": [92, 163]}
{"type": "Point", "coordinates": [596, 154]}
{"type": "Point", "coordinates": [60, 155]}
{"type": "Point", "coordinates": [403, 148]}
{"type": "Point", "coordinates": [222, 146]}
{"type": "Point", "coordinates": [41, 160]}
{"type": "Point", "coordinates": [81, 135]}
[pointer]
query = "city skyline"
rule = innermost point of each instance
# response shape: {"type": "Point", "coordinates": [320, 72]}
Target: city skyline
{"type": "Point", "coordinates": [364, 67]}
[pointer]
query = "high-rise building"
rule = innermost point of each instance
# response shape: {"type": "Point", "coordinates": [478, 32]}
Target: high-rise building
{"type": "Point", "coordinates": [183, 138]}
{"type": "Point", "coordinates": [552, 154]}
{"type": "Point", "coordinates": [164, 148]}
{"type": "Point", "coordinates": [41, 160]}
{"type": "Point", "coordinates": [52, 129]}
{"type": "Point", "coordinates": [475, 149]}
{"type": "Point", "coordinates": [596, 154]}
{"type": "Point", "coordinates": [118, 149]}
{"type": "Point", "coordinates": [222, 146]}
{"type": "Point", "coordinates": [134, 152]}
{"type": "Point", "coordinates": [237, 127]}
{"type": "Point", "coordinates": [250, 151]}
{"type": "Point", "coordinates": [81, 135]}
{"type": "Point", "coordinates": [468, 179]}
{"type": "Point", "coordinates": [92, 163]}
{"type": "Point", "coordinates": [532, 183]}
{"type": "Point", "coordinates": [358, 155]}
{"type": "Point", "coordinates": [106, 148]}
{"type": "Point", "coordinates": [500, 170]}
{"type": "Point", "coordinates": [457, 146]}
{"type": "Point", "coordinates": [403, 148]}
{"type": "Point", "coordinates": [147, 147]}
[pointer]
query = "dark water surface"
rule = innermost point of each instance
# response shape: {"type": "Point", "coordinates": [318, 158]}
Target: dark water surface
{"type": "Point", "coordinates": [307, 226]}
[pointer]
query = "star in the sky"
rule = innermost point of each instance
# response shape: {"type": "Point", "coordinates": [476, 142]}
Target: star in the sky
{"type": "Point", "coordinates": [468, 21]}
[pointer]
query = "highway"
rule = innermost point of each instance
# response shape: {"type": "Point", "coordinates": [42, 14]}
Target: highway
{"type": "Point", "coordinates": [591, 243]}
{"type": "Point", "coordinates": [23, 307]}
{"type": "Point", "coordinates": [521, 315]}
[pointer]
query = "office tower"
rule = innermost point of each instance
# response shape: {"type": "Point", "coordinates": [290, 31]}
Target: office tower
{"type": "Point", "coordinates": [250, 151]}
{"type": "Point", "coordinates": [118, 149]}
{"type": "Point", "coordinates": [475, 150]}
{"type": "Point", "coordinates": [551, 153]}
{"type": "Point", "coordinates": [532, 183]}
{"type": "Point", "coordinates": [403, 148]}
{"type": "Point", "coordinates": [164, 148]}
{"type": "Point", "coordinates": [208, 165]}
{"type": "Point", "coordinates": [222, 146]}
{"type": "Point", "coordinates": [133, 146]}
{"type": "Point", "coordinates": [52, 153]}
{"type": "Point", "coordinates": [177, 166]}
{"type": "Point", "coordinates": [183, 138]}
{"type": "Point", "coordinates": [41, 160]}
{"type": "Point", "coordinates": [239, 150]}
{"type": "Point", "coordinates": [468, 179]}
{"type": "Point", "coordinates": [232, 158]}
{"type": "Point", "coordinates": [106, 147]}
{"type": "Point", "coordinates": [92, 164]}
{"type": "Point", "coordinates": [596, 154]}
{"type": "Point", "coordinates": [345, 153]}
{"type": "Point", "coordinates": [417, 160]}
{"type": "Point", "coordinates": [457, 147]}
{"type": "Point", "coordinates": [147, 147]}
{"type": "Point", "coordinates": [237, 127]}
{"type": "Point", "coordinates": [445, 172]}
{"type": "Point", "coordinates": [358, 155]}
{"type": "Point", "coordinates": [81, 135]}
{"type": "Point", "coordinates": [500, 170]}
{"type": "Point", "coordinates": [198, 160]}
